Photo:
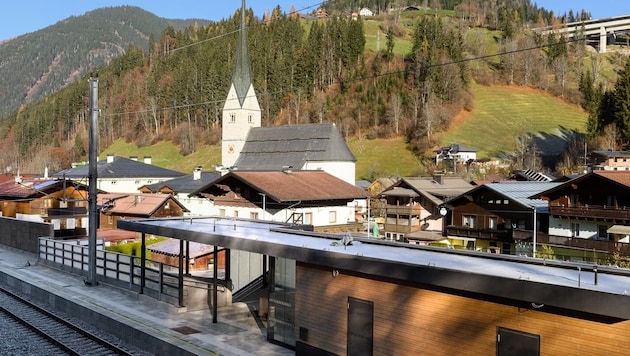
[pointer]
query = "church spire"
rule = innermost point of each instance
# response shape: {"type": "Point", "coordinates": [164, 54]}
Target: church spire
{"type": "Point", "coordinates": [242, 77]}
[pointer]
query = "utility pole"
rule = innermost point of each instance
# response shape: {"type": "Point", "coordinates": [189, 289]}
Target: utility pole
{"type": "Point", "coordinates": [92, 177]}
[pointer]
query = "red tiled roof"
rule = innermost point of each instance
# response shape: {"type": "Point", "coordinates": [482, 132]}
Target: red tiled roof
{"type": "Point", "coordinates": [27, 186]}
{"type": "Point", "coordinates": [137, 204]}
{"type": "Point", "coordinates": [621, 177]}
{"type": "Point", "coordinates": [300, 185]}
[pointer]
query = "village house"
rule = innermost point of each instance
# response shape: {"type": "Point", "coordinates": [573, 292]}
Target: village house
{"type": "Point", "coordinates": [590, 212]}
{"type": "Point", "coordinates": [121, 175]}
{"type": "Point", "coordinates": [182, 187]}
{"type": "Point", "coordinates": [117, 206]}
{"type": "Point", "coordinates": [412, 207]}
{"type": "Point", "coordinates": [365, 12]}
{"type": "Point", "coordinates": [456, 153]}
{"type": "Point", "coordinates": [495, 217]}
{"type": "Point", "coordinates": [62, 203]}
{"type": "Point", "coordinates": [609, 160]}
{"type": "Point", "coordinates": [298, 197]}
{"type": "Point", "coordinates": [200, 256]}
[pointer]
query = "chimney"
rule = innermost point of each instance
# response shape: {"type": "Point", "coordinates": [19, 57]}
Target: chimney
{"type": "Point", "coordinates": [197, 173]}
{"type": "Point", "coordinates": [110, 158]}
{"type": "Point", "coordinates": [287, 169]}
{"type": "Point", "coordinates": [134, 158]}
{"type": "Point", "coordinates": [147, 159]}
{"type": "Point", "coordinates": [138, 199]}
{"type": "Point", "coordinates": [438, 178]}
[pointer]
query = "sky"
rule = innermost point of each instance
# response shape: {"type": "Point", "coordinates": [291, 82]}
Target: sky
{"type": "Point", "coordinates": [18, 18]}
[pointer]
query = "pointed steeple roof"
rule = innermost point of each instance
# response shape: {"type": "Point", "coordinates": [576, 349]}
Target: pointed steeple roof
{"type": "Point", "coordinates": [242, 77]}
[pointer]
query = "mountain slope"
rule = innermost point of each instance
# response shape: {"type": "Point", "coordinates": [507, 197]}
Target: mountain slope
{"type": "Point", "coordinates": [35, 65]}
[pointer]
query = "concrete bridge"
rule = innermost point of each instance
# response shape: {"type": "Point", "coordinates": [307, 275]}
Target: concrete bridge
{"type": "Point", "coordinates": [594, 30]}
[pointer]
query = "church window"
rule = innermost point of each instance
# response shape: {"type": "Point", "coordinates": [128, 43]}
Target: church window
{"type": "Point", "coordinates": [232, 117]}
{"type": "Point", "coordinates": [250, 118]}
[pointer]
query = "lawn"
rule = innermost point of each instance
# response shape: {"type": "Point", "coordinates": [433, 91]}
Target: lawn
{"type": "Point", "coordinates": [503, 112]}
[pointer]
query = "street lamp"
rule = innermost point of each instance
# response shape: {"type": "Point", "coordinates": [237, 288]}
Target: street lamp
{"type": "Point", "coordinates": [535, 232]}
{"type": "Point", "coordinates": [264, 206]}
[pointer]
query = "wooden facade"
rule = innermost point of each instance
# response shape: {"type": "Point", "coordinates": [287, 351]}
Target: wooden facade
{"type": "Point", "coordinates": [415, 320]}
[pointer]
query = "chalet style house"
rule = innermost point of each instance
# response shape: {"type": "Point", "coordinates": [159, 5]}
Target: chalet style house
{"type": "Point", "coordinates": [412, 206]}
{"type": "Point", "coordinates": [182, 187]}
{"type": "Point", "coordinates": [62, 203]}
{"type": "Point", "coordinates": [492, 217]}
{"type": "Point", "coordinates": [609, 160]}
{"type": "Point", "coordinates": [121, 175]}
{"type": "Point", "coordinates": [591, 212]}
{"type": "Point", "coordinates": [117, 206]}
{"type": "Point", "coordinates": [297, 197]}
{"type": "Point", "coordinates": [457, 153]}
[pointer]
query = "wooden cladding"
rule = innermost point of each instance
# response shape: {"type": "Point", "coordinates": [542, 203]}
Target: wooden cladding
{"type": "Point", "coordinates": [416, 321]}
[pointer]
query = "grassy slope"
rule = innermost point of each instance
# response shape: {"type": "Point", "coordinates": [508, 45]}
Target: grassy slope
{"type": "Point", "coordinates": [503, 112]}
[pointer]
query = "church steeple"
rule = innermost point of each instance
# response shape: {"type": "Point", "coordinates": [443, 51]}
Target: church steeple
{"type": "Point", "coordinates": [242, 76]}
{"type": "Point", "coordinates": [241, 110]}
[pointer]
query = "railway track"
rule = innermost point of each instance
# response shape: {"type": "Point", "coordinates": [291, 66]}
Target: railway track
{"type": "Point", "coordinates": [66, 335]}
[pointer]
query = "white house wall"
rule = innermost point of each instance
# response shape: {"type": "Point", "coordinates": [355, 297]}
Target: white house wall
{"type": "Point", "coordinates": [197, 206]}
{"type": "Point", "coordinates": [562, 227]}
{"type": "Point", "coordinates": [126, 185]}
{"type": "Point", "coordinates": [342, 170]}
{"type": "Point", "coordinates": [321, 216]}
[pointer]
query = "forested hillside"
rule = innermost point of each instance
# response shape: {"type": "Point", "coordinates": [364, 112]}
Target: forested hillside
{"type": "Point", "coordinates": [38, 64]}
{"type": "Point", "coordinates": [309, 69]}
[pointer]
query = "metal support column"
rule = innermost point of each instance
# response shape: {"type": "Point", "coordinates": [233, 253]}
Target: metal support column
{"type": "Point", "coordinates": [215, 284]}
{"type": "Point", "coordinates": [180, 289]}
{"type": "Point", "coordinates": [92, 182]}
{"type": "Point", "coordinates": [143, 262]}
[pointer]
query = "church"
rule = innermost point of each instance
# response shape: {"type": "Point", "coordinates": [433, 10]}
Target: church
{"type": "Point", "coordinates": [246, 146]}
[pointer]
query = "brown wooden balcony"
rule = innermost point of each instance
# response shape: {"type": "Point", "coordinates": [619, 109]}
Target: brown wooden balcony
{"type": "Point", "coordinates": [592, 212]}
{"type": "Point", "coordinates": [485, 234]}
{"type": "Point", "coordinates": [408, 210]}
{"type": "Point", "coordinates": [401, 229]}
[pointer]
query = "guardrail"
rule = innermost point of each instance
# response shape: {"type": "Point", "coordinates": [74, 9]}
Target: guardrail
{"type": "Point", "coordinates": [113, 268]}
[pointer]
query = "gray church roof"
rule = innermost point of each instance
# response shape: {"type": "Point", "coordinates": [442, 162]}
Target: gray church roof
{"type": "Point", "coordinates": [242, 77]}
{"type": "Point", "coordinates": [271, 148]}
{"type": "Point", "coordinates": [120, 167]}
{"type": "Point", "coordinates": [185, 184]}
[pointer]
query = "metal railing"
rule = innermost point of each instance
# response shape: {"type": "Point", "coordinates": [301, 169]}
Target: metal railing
{"type": "Point", "coordinates": [113, 268]}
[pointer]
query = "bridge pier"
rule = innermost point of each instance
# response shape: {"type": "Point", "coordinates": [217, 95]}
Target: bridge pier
{"type": "Point", "coordinates": [602, 39]}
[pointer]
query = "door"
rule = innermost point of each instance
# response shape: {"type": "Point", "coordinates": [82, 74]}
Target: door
{"type": "Point", "coordinates": [517, 343]}
{"type": "Point", "coordinates": [360, 327]}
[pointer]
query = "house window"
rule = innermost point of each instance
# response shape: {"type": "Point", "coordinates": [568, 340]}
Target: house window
{"type": "Point", "coordinates": [232, 117]}
{"type": "Point", "coordinates": [110, 219]}
{"type": "Point", "coordinates": [221, 212]}
{"type": "Point", "coordinates": [492, 223]}
{"type": "Point", "coordinates": [236, 213]}
{"type": "Point", "coordinates": [573, 200]}
{"type": "Point", "coordinates": [470, 221]}
{"type": "Point", "coordinates": [250, 118]}
{"type": "Point", "coordinates": [308, 218]}
{"type": "Point", "coordinates": [332, 217]}
{"type": "Point", "coordinates": [602, 232]}
{"type": "Point", "coordinates": [575, 230]}
{"type": "Point", "coordinates": [253, 215]}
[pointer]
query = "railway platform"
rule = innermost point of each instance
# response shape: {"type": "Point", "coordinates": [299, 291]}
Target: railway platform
{"type": "Point", "coordinates": [153, 326]}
